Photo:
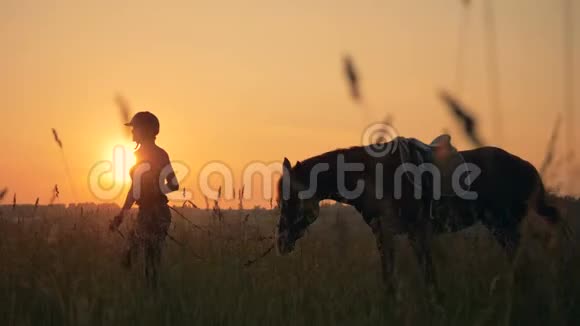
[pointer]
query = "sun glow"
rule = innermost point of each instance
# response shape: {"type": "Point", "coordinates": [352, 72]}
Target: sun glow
{"type": "Point", "coordinates": [122, 158]}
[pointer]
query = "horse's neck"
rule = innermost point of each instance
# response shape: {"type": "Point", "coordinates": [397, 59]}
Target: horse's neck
{"type": "Point", "coordinates": [327, 187]}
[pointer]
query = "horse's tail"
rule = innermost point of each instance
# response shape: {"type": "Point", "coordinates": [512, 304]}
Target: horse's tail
{"type": "Point", "coordinates": [546, 211]}
{"type": "Point", "coordinates": [550, 213]}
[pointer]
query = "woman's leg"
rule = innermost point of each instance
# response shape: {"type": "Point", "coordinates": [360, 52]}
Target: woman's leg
{"type": "Point", "coordinates": [161, 218]}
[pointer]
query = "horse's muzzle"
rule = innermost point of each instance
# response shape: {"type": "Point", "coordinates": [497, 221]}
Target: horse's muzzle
{"type": "Point", "coordinates": [284, 244]}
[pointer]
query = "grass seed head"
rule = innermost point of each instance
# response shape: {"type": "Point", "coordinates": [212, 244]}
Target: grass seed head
{"type": "Point", "coordinates": [56, 138]}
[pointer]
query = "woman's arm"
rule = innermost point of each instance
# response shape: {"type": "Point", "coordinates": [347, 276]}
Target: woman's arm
{"type": "Point", "coordinates": [118, 219]}
{"type": "Point", "coordinates": [171, 183]}
{"type": "Point", "coordinates": [129, 200]}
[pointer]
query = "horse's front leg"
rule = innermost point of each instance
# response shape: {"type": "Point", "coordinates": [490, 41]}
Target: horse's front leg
{"type": "Point", "coordinates": [385, 245]}
{"type": "Point", "coordinates": [421, 240]}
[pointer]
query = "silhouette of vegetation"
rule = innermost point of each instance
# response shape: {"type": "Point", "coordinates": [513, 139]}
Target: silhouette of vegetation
{"type": "Point", "coordinates": [551, 150]}
{"type": "Point", "coordinates": [352, 78]}
{"type": "Point", "coordinates": [467, 121]}
{"type": "Point", "coordinates": [60, 274]}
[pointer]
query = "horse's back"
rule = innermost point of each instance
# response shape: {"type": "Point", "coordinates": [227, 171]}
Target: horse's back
{"type": "Point", "coordinates": [504, 176]}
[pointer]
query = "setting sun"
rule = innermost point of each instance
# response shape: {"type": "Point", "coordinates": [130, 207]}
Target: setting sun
{"type": "Point", "coordinates": [122, 158]}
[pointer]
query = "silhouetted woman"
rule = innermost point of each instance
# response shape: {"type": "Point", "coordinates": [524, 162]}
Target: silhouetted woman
{"type": "Point", "coordinates": [151, 178]}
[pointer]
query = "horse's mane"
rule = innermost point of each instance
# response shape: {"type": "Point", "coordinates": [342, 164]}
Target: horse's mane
{"type": "Point", "coordinates": [359, 154]}
{"type": "Point", "coordinates": [348, 152]}
{"type": "Point", "coordinates": [353, 153]}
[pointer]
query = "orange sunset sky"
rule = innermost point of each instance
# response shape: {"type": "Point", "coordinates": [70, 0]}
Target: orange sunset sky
{"type": "Point", "coordinates": [244, 81]}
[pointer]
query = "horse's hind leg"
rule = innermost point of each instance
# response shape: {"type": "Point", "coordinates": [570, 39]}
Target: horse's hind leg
{"type": "Point", "coordinates": [421, 240]}
{"type": "Point", "coordinates": [385, 246]}
{"type": "Point", "coordinates": [508, 238]}
{"type": "Point", "coordinates": [506, 229]}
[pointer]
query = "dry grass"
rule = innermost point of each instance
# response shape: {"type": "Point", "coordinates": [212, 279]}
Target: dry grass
{"type": "Point", "coordinates": [56, 138]}
{"type": "Point", "coordinates": [216, 210]}
{"type": "Point", "coordinates": [241, 198]}
{"type": "Point", "coordinates": [55, 195]}
{"type": "Point", "coordinates": [551, 150]}
{"type": "Point", "coordinates": [61, 269]}
{"type": "Point", "coordinates": [464, 117]}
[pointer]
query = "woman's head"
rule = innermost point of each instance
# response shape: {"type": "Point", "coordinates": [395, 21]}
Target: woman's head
{"type": "Point", "coordinates": [145, 127]}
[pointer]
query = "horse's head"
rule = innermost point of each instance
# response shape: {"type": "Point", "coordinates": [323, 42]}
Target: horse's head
{"type": "Point", "coordinates": [298, 207]}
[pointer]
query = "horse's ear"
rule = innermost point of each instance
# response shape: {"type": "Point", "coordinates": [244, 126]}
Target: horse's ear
{"type": "Point", "coordinates": [298, 163]}
{"type": "Point", "coordinates": [286, 164]}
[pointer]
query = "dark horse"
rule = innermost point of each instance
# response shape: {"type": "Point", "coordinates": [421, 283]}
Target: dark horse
{"type": "Point", "coordinates": [506, 188]}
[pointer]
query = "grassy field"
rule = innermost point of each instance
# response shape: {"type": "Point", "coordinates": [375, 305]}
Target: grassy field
{"type": "Point", "coordinates": [63, 268]}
